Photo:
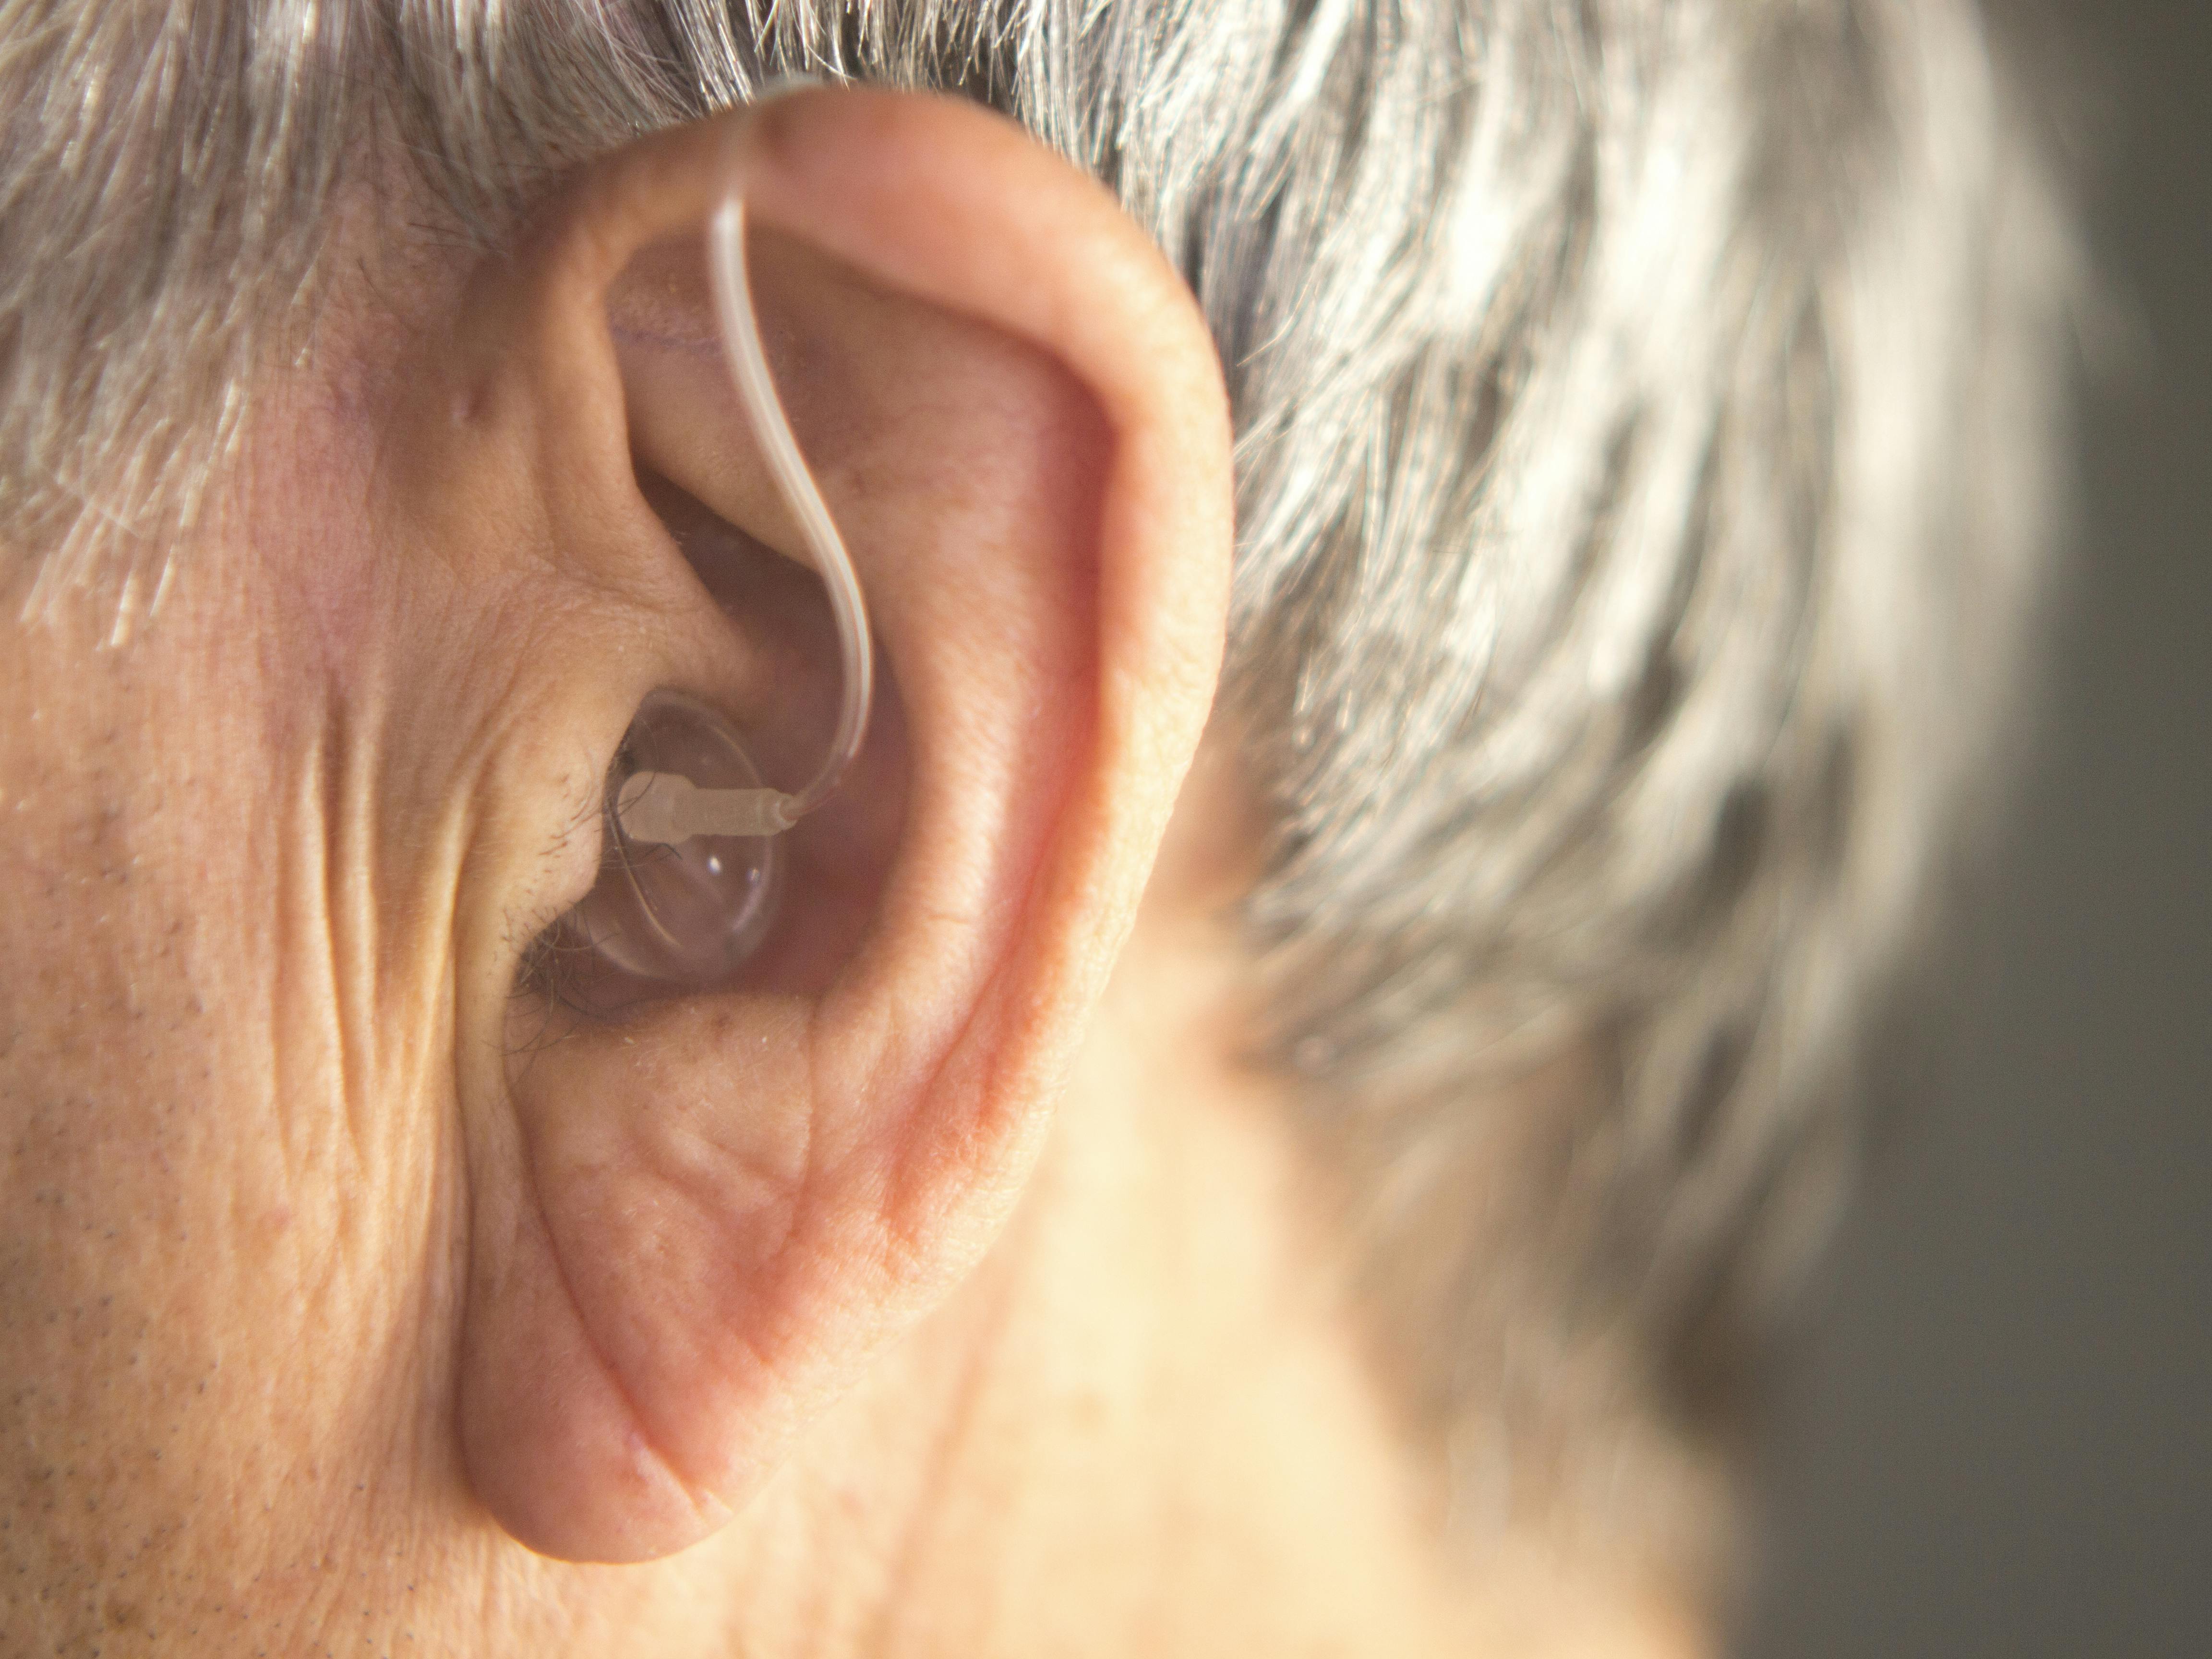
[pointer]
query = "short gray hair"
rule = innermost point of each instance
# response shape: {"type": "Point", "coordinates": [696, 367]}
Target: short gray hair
{"type": "Point", "coordinates": [1643, 412]}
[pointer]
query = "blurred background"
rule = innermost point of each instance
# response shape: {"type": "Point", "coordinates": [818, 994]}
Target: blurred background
{"type": "Point", "coordinates": [1995, 1434]}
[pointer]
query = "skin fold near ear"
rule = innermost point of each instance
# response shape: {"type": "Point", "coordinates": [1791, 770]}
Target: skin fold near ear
{"type": "Point", "coordinates": [689, 1227]}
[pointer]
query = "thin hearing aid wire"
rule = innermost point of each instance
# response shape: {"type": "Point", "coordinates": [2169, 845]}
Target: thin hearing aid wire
{"type": "Point", "coordinates": [666, 807]}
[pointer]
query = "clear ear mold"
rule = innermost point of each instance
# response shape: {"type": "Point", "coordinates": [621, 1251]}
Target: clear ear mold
{"type": "Point", "coordinates": [688, 883]}
{"type": "Point", "coordinates": [673, 905]}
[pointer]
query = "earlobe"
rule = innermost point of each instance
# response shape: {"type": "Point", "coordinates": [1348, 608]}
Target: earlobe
{"type": "Point", "coordinates": [689, 1229]}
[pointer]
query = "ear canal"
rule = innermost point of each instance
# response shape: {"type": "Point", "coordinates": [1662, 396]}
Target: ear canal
{"type": "Point", "coordinates": [675, 906]}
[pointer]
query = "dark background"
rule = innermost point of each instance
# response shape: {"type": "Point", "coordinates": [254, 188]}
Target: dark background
{"type": "Point", "coordinates": [1995, 1435]}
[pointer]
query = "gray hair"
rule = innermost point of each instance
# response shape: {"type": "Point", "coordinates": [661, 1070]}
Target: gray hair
{"type": "Point", "coordinates": [1643, 473]}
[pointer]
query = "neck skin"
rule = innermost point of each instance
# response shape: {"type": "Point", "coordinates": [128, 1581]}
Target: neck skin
{"type": "Point", "coordinates": [1142, 1428]}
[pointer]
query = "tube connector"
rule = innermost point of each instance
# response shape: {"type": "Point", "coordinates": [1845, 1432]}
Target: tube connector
{"type": "Point", "coordinates": [668, 809]}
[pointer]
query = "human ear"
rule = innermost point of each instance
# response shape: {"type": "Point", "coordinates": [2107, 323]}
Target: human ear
{"type": "Point", "coordinates": [689, 1227]}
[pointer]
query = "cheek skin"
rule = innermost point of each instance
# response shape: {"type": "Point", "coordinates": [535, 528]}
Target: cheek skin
{"type": "Point", "coordinates": [227, 1215]}
{"type": "Point", "coordinates": [197, 1185]}
{"type": "Point", "coordinates": [236, 867]}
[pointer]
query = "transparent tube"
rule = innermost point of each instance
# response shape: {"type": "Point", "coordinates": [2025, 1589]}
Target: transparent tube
{"type": "Point", "coordinates": [688, 885]}
{"type": "Point", "coordinates": [825, 549]}
{"type": "Point", "coordinates": [665, 809]}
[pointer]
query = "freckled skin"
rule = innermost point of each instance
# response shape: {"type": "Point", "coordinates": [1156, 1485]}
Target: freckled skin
{"type": "Point", "coordinates": [229, 1202]}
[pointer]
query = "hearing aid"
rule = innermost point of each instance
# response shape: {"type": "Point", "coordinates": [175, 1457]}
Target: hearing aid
{"type": "Point", "coordinates": [688, 880]}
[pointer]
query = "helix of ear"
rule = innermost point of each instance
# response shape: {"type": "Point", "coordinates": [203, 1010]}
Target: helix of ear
{"type": "Point", "coordinates": [688, 881]}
